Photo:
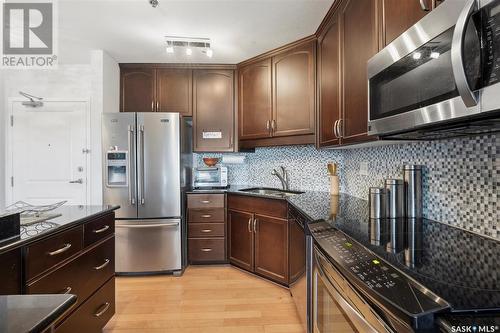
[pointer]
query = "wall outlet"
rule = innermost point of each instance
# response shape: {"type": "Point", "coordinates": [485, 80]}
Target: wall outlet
{"type": "Point", "coordinates": [363, 168]}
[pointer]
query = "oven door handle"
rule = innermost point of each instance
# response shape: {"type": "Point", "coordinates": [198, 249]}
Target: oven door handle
{"type": "Point", "coordinates": [468, 96]}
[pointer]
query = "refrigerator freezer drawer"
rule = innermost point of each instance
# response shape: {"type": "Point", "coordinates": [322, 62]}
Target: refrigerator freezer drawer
{"type": "Point", "coordinates": [148, 246]}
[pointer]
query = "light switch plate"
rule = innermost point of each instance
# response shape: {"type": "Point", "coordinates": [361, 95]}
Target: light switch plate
{"type": "Point", "coordinates": [363, 168]}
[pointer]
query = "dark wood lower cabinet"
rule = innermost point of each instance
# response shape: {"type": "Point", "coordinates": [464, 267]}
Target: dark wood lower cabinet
{"type": "Point", "coordinates": [241, 239]}
{"type": "Point", "coordinates": [10, 272]}
{"type": "Point", "coordinates": [271, 247]}
{"type": "Point", "coordinates": [92, 315]}
{"type": "Point", "coordinates": [259, 236]}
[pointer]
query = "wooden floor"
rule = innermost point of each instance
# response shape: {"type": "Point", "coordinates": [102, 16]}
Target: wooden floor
{"type": "Point", "coordinates": [205, 299]}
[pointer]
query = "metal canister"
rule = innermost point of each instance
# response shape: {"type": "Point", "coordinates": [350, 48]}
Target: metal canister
{"type": "Point", "coordinates": [377, 202]}
{"type": "Point", "coordinates": [395, 198]}
{"type": "Point", "coordinates": [413, 190]}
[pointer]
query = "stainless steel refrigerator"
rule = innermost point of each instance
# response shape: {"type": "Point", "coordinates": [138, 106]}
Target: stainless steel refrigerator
{"type": "Point", "coordinates": [147, 164]}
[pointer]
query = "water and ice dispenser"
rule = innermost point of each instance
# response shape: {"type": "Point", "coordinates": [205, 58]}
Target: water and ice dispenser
{"type": "Point", "coordinates": [117, 169]}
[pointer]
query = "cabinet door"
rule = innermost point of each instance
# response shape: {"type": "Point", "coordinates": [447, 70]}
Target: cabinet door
{"type": "Point", "coordinates": [329, 78]}
{"type": "Point", "coordinates": [137, 90]}
{"type": "Point", "coordinates": [293, 91]}
{"type": "Point", "coordinates": [255, 100]}
{"type": "Point", "coordinates": [401, 15]}
{"type": "Point", "coordinates": [360, 43]}
{"type": "Point", "coordinates": [213, 110]}
{"type": "Point", "coordinates": [174, 90]}
{"type": "Point", "coordinates": [10, 273]}
{"type": "Point", "coordinates": [241, 239]}
{"type": "Point", "coordinates": [271, 248]}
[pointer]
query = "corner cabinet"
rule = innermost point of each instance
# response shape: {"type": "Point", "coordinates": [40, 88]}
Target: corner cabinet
{"type": "Point", "coordinates": [213, 110]}
{"type": "Point", "coordinates": [277, 97]}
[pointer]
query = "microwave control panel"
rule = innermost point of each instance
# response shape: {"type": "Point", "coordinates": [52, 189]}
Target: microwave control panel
{"type": "Point", "coordinates": [491, 43]}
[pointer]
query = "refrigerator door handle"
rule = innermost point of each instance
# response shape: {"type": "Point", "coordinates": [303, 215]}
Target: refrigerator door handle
{"type": "Point", "coordinates": [155, 225]}
{"type": "Point", "coordinates": [141, 166]}
{"type": "Point", "coordinates": [131, 197]}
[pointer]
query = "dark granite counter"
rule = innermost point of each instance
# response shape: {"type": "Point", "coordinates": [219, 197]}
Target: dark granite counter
{"type": "Point", "coordinates": [32, 313]}
{"type": "Point", "coordinates": [69, 216]}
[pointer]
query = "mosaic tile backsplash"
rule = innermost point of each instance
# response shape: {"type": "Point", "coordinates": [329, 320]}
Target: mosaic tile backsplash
{"type": "Point", "coordinates": [461, 176]}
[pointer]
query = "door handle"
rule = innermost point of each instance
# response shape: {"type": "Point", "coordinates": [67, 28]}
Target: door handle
{"type": "Point", "coordinates": [255, 221]}
{"type": "Point", "coordinates": [250, 225]}
{"type": "Point", "coordinates": [424, 6]}
{"type": "Point", "coordinates": [78, 181]}
{"type": "Point", "coordinates": [131, 131]}
{"type": "Point", "coordinates": [102, 309]}
{"type": "Point", "coordinates": [268, 125]}
{"type": "Point", "coordinates": [141, 155]}
{"type": "Point", "coordinates": [335, 129]}
{"type": "Point", "coordinates": [457, 63]}
{"type": "Point", "coordinates": [106, 263]}
{"type": "Point", "coordinates": [340, 130]}
{"type": "Point", "coordinates": [139, 226]}
{"type": "Point", "coordinates": [61, 250]}
{"type": "Point", "coordinates": [273, 125]}
{"type": "Point", "coordinates": [103, 229]}
{"type": "Point", "coordinates": [157, 106]}
{"type": "Point", "coordinates": [152, 106]}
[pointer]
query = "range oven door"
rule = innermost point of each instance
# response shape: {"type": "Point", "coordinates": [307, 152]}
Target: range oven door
{"type": "Point", "coordinates": [432, 73]}
{"type": "Point", "coordinates": [336, 306]}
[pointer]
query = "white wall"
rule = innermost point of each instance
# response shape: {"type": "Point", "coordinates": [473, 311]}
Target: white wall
{"type": "Point", "coordinates": [97, 82]}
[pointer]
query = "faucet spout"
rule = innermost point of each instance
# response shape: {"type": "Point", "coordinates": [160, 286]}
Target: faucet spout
{"type": "Point", "coordinates": [283, 177]}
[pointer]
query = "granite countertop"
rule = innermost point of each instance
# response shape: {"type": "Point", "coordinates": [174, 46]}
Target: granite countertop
{"type": "Point", "coordinates": [69, 216]}
{"type": "Point", "coordinates": [32, 313]}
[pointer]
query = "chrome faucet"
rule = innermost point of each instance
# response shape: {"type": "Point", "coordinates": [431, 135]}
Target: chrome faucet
{"type": "Point", "coordinates": [283, 177]}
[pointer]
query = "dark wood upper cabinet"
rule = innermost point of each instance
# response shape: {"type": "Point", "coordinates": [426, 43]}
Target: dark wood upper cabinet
{"type": "Point", "coordinates": [137, 90]}
{"type": "Point", "coordinates": [329, 82]}
{"type": "Point", "coordinates": [360, 23]}
{"type": "Point", "coordinates": [174, 90]}
{"type": "Point", "coordinates": [271, 247]}
{"type": "Point", "coordinates": [213, 110]}
{"type": "Point", "coordinates": [255, 100]}
{"type": "Point", "coordinates": [399, 16]}
{"type": "Point", "coordinates": [294, 91]}
{"type": "Point", "coordinates": [241, 239]}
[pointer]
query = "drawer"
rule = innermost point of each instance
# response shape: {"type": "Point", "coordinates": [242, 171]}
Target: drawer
{"type": "Point", "coordinates": [204, 230]}
{"type": "Point", "coordinates": [205, 200]}
{"type": "Point", "coordinates": [269, 207]}
{"type": "Point", "coordinates": [81, 276]}
{"type": "Point", "coordinates": [92, 315]}
{"type": "Point", "coordinates": [49, 252]}
{"type": "Point", "coordinates": [98, 229]}
{"type": "Point", "coordinates": [206, 215]}
{"type": "Point", "coordinates": [206, 250]}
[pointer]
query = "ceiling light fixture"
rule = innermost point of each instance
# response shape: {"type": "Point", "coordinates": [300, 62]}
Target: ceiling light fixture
{"type": "Point", "coordinates": [417, 55]}
{"type": "Point", "coordinates": [189, 44]}
{"type": "Point", "coordinates": [154, 3]}
{"type": "Point", "coordinates": [435, 55]}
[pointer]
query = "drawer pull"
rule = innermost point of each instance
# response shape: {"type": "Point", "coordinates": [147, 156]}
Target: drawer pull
{"type": "Point", "coordinates": [106, 263]}
{"type": "Point", "coordinates": [61, 250]}
{"type": "Point", "coordinates": [206, 230]}
{"type": "Point", "coordinates": [205, 201]}
{"type": "Point", "coordinates": [103, 229]}
{"type": "Point", "coordinates": [206, 250]}
{"type": "Point", "coordinates": [206, 216]}
{"type": "Point", "coordinates": [67, 290]}
{"type": "Point", "coordinates": [102, 309]}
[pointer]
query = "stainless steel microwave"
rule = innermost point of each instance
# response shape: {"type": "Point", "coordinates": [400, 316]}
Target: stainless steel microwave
{"type": "Point", "coordinates": [210, 177]}
{"type": "Point", "coordinates": [441, 77]}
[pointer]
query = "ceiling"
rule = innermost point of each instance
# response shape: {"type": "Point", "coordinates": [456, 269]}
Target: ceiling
{"type": "Point", "coordinates": [133, 31]}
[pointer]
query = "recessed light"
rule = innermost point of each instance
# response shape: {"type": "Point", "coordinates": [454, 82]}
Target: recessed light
{"type": "Point", "coordinates": [210, 53]}
{"type": "Point", "coordinates": [170, 49]}
{"type": "Point", "coordinates": [189, 51]}
{"type": "Point", "coordinates": [435, 55]}
{"type": "Point", "coordinates": [417, 55]}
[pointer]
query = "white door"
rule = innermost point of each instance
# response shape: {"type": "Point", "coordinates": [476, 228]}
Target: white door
{"type": "Point", "coordinates": [49, 161]}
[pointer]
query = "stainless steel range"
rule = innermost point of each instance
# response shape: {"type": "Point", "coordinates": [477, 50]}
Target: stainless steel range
{"type": "Point", "coordinates": [147, 166]}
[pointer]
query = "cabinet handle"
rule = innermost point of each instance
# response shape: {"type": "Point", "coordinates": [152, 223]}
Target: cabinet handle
{"type": "Point", "coordinates": [152, 106]}
{"type": "Point", "coordinates": [340, 130]}
{"type": "Point", "coordinates": [268, 125]}
{"type": "Point", "coordinates": [102, 309]}
{"type": "Point", "coordinates": [66, 290]}
{"type": "Point", "coordinates": [255, 221]}
{"type": "Point", "coordinates": [206, 216]}
{"type": "Point", "coordinates": [103, 229]}
{"type": "Point", "coordinates": [106, 263]}
{"type": "Point", "coordinates": [335, 133]}
{"type": "Point", "coordinates": [157, 106]}
{"type": "Point", "coordinates": [205, 201]}
{"type": "Point", "coordinates": [206, 230]}
{"type": "Point", "coordinates": [273, 125]}
{"type": "Point", "coordinates": [61, 250]}
{"type": "Point", "coordinates": [423, 5]}
{"type": "Point", "coordinates": [206, 250]}
{"type": "Point", "coordinates": [250, 225]}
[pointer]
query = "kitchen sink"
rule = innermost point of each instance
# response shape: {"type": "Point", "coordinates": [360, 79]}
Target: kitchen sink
{"type": "Point", "coordinates": [274, 192]}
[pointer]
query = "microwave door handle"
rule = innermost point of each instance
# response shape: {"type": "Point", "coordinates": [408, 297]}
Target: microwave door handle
{"type": "Point", "coordinates": [468, 96]}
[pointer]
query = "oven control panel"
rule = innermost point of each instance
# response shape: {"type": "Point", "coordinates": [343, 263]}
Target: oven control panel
{"type": "Point", "coordinates": [362, 268]}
